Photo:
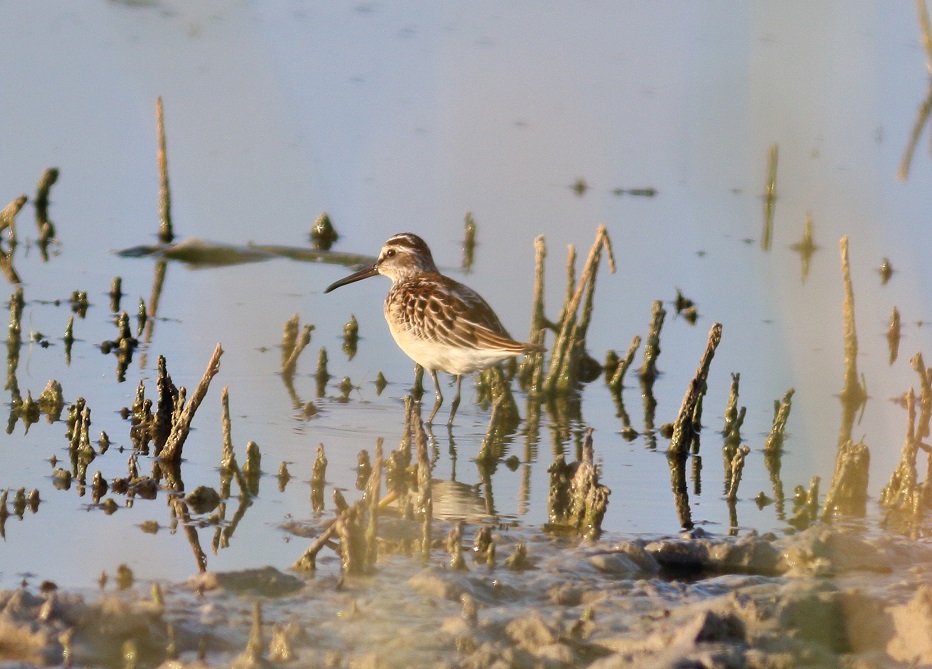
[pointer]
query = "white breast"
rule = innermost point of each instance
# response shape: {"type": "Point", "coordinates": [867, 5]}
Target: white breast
{"type": "Point", "coordinates": [443, 357]}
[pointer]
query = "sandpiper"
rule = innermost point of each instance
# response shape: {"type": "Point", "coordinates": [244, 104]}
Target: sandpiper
{"type": "Point", "coordinates": [438, 322]}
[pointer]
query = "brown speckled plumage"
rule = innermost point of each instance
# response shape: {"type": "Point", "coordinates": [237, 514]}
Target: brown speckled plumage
{"type": "Point", "coordinates": [437, 321]}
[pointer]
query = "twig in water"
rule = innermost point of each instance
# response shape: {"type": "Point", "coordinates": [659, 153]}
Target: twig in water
{"type": "Point", "coordinates": [569, 352]}
{"type": "Point", "coordinates": [8, 216]}
{"type": "Point", "coordinates": [469, 242]}
{"type": "Point", "coordinates": [737, 466]}
{"type": "Point", "coordinates": [774, 443]}
{"type": "Point", "coordinates": [46, 181]}
{"type": "Point", "coordinates": [172, 450]}
{"type": "Point", "coordinates": [684, 430]}
{"type": "Point", "coordinates": [893, 335]}
{"type": "Point", "coordinates": [854, 394]}
{"type": "Point", "coordinates": [292, 345]}
{"type": "Point", "coordinates": [166, 234]}
{"type": "Point", "coordinates": [770, 198]}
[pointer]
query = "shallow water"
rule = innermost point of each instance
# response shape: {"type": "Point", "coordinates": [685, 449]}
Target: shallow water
{"type": "Point", "coordinates": [403, 117]}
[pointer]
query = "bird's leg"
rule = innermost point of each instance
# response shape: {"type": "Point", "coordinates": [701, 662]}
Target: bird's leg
{"type": "Point", "coordinates": [433, 375]}
{"type": "Point", "coordinates": [456, 400]}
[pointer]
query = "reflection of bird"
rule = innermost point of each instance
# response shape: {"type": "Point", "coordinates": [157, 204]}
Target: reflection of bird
{"type": "Point", "coordinates": [438, 322]}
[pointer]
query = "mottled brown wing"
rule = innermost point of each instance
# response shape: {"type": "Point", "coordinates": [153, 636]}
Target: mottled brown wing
{"type": "Point", "coordinates": [438, 308]}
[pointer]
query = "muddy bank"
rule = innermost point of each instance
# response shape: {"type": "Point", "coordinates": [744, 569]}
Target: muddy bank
{"type": "Point", "coordinates": [828, 596]}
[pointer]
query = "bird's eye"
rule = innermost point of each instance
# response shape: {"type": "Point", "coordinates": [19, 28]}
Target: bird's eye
{"type": "Point", "coordinates": [390, 253]}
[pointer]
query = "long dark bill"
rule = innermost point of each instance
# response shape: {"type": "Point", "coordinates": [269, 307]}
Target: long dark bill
{"type": "Point", "coordinates": [364, 273]}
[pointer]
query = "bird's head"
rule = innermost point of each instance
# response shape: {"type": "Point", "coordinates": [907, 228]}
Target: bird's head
{"type": "Point", "coordinates": [404, 255]}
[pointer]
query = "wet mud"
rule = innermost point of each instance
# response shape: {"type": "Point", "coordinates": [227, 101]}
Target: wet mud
{"type": "Point", "coordinates": [828, 596]}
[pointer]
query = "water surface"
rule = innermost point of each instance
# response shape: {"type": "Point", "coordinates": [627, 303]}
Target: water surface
{"type": "Point", "coordinates": [395, 117]}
